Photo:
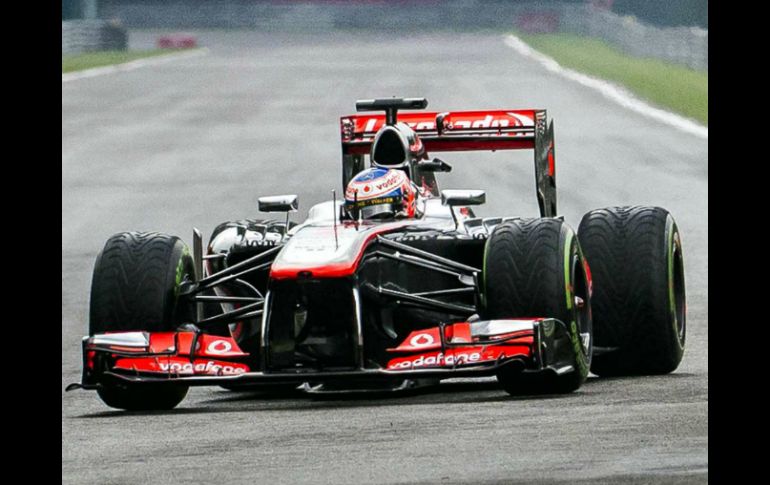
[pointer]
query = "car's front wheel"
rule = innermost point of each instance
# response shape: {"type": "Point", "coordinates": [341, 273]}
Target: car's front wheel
{"type": "Point", "coordinates": [135, 286]}
{"type": "Point", "coordinates": [535, 268]}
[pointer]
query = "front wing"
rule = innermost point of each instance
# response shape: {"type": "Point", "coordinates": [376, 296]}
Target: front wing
{"type": "Point", "coordinates": [467, 349]}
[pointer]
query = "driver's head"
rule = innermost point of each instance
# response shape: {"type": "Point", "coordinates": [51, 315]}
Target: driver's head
{"type": "Point", "coordinates": [380, 193]}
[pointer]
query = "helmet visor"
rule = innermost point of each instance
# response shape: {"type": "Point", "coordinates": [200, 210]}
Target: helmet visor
{"type": "Point", "coordinates": [381, 211]}
{"type": "Point", "coordinates": [380, 208]}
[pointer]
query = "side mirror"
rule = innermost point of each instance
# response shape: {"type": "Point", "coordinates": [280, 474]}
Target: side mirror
{"type": "Point", "coordinates": [435, 165]}
{"type": "Point", "coordinates": [454, 198]}
{"type": "Point", "coordinates": [278, 203]}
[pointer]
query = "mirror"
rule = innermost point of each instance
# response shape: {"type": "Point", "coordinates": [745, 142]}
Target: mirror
{"type": "Point", "coordinates": [278, 203]}
{"type": "Point", "coordinates": [435, 165]}
{"type": "Point", "coordinates": [454, 198]}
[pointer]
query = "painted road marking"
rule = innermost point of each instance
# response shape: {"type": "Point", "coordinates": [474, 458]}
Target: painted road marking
{"type": "Point", "coordinates": [131, 65]}
{"type": "Point", "coordinates": [610, 91]}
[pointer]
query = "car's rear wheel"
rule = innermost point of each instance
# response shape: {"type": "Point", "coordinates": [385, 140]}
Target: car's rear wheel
{"type": "Point", "coordinates": [135, 286]}
{"type": "Point", "coordinates": [535, 268]}
{"type": "Point", "coordinates": [637, 267]}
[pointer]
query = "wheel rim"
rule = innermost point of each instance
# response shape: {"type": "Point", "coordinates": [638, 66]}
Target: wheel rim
{"type": "Point", "coordinates": [680, 306]}
{"type": "Point", "coordinates": [582, 306]}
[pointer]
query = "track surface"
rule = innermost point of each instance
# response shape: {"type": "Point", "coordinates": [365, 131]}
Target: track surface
{"type": "Point", "coordinates": [195, 142]}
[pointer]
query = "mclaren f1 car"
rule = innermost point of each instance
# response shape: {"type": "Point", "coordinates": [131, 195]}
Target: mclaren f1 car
{"type": "Point", "coordinates": [394, 284]}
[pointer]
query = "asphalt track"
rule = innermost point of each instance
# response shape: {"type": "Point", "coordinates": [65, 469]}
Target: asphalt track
{"type": "Point", "coordinates": [194, 142]}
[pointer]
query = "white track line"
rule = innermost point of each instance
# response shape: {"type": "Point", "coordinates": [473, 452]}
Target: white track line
{"type": "Point", "coordinates": [610, 91]}
{"type": "Point", "coordinates": [131, 65]}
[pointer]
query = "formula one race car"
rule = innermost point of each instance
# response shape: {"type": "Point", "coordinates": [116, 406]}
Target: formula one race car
{"type": "Point", "coordinates": [396, 285]}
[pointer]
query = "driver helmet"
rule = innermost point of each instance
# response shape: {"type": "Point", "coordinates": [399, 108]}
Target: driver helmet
{"type": "Point", "coordinates": [380, 193]}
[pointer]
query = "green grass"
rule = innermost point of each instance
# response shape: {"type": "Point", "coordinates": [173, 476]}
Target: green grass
{"type": "Point", "coordinates": [671, 86]}
{"type": "Point", "coordinates": [77, 62]}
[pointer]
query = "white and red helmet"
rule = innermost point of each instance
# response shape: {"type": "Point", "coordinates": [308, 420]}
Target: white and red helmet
{"type": "Point", "coordinates": [380, 193]}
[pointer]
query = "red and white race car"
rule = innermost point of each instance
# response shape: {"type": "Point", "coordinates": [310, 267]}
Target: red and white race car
{"type": "Point", "coordinates": [396, 285]}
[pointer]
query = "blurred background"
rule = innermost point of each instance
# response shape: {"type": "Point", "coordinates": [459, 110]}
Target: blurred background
{"type": "Point", "coordinates": [671, 30]}
{"type": "Point", "coordinates": [612, 39]}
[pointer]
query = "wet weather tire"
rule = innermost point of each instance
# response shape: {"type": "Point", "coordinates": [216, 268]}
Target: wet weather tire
{"type": "Point", "coordinates": [135, 286]}
{"type": "Point", "coordinates": [136, 282]}
{"type": "Point", "coordinates": [534, 268]}
{"type": "Point", "coordinates": [636, 263]}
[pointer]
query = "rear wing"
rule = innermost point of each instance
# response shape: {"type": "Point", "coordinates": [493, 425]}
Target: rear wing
{"type": "Point", "coordinates": [453, 131]}
{"type": "Point", "coordinates": [448, 131]}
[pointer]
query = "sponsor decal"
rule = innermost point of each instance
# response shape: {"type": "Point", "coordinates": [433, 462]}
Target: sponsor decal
{"type": "Point", "coordinates": [219, 347]}
{"type": "Point", "coordinates": [421, 340]}
{"type": "Point", "coordinates": [522, 119]}
{"type": "Point", "coordinates": [210, 367]}
{"type": "Point", "coordinates": [260, 243]}
{"type": "Point", "coordinates": [437, 360]}
{"type": "Point", "coordinates": [488, 122]}
{"type": "Point", "coordinates": [406, 237]}
{"type": "Point", "coordinates": [459, 120]}
{"type": "Point", "coordinates": [393, 179]}
{"type": "Point", "coordinates": [466, 355]}
{"type": "Point", "coordinates": [376, 183]}
{"type": "Point", "coordinates": [181, 366]}
{"type": "Point", "coordinates": [377, 201]}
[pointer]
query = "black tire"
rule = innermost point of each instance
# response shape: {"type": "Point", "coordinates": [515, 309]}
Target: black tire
{"type": "Point", "coordinates": [636, 263]}
{"type": "Point", "coordinates": [136, 283]}
{"type": "Point", "coordinates": [135, 286]}
{"type": "Point", "coordinates": [535, 268]}
{"type": "Point", "coordinates": [142, 397]}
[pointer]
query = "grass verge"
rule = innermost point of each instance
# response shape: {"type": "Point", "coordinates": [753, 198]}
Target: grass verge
{"type": "Point", "coordinates": [671, 86]}
{"type": "Point", "coordinates": [78, 62]}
